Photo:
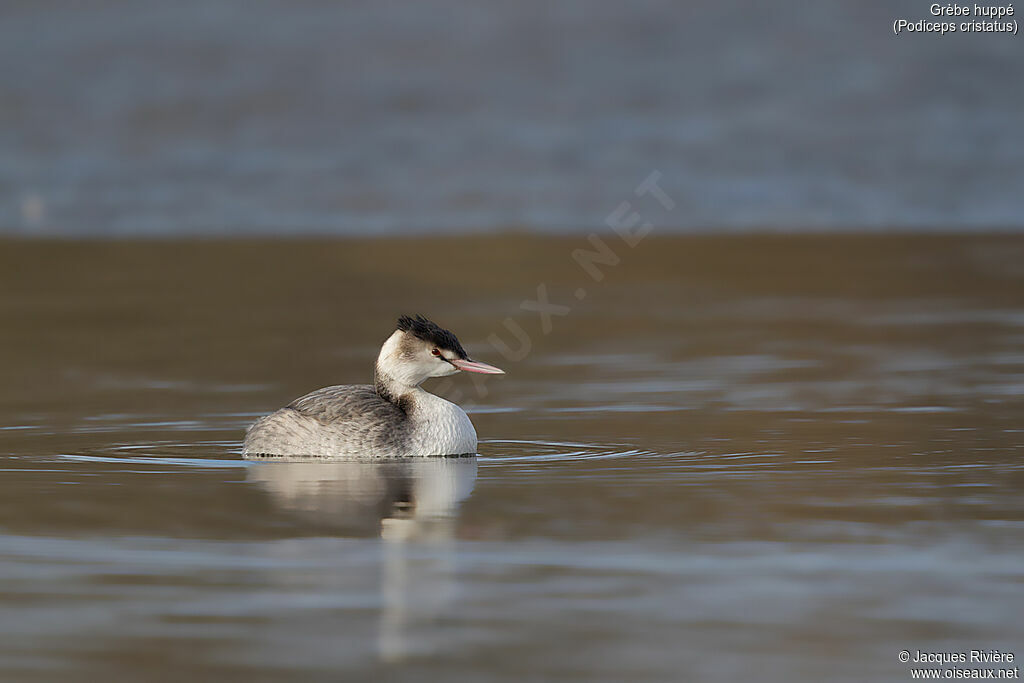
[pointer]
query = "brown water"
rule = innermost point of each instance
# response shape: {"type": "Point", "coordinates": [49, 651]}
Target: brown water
{"type": "Point", "coordinates": [764, 458]}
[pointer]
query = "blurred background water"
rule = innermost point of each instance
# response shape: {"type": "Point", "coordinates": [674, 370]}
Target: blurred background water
{"type": "Point", "coordinates": [160, 118]}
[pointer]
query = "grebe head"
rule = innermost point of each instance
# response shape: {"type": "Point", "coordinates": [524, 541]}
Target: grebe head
{"type": "Point", "coordinates": [420, 349]}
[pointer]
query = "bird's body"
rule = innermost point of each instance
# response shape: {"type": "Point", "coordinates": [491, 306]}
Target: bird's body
{"type": "Point", "coordinates": [394, 417]}
{"type": "Point", "coordinates": [353, 420]}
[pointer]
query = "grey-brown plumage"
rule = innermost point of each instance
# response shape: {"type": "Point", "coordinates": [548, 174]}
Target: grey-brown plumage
{"type": "Point", "coordinates": [394, 417]}
{"type": "Point", "coordinates": [372, 425]}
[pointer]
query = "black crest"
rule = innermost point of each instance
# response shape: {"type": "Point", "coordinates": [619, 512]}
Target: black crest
{"type": "Point", "coordinates": [421, 328]}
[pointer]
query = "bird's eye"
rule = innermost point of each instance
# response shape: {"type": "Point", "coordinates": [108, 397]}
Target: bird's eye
{"type": "Point", "coordinates": [436, 352]}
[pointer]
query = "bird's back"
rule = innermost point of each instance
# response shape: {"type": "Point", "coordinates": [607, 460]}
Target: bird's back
{"type": "Point", "coordinates": [339, 421]}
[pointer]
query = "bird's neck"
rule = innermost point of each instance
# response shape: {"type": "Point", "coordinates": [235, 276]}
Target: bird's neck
{"type": "Point", "coordinates": [389, 388]}
{"type": "Point", "coordinates": [390, 378]}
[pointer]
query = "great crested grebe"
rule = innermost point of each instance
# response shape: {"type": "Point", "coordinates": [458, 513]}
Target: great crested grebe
{"type": "Point", "coordinates": [392, 418]}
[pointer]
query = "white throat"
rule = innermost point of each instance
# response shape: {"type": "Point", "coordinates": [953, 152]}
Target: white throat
{"type": "Point", "coordinates": [398, 366]}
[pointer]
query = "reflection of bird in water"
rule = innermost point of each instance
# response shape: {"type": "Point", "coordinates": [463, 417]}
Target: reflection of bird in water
{"type": "Point", "coordinates": [404, 498]}
{"type": "Point", "coordinates": [392, 418]}
{"type": "Point", "coordinates": [411, 503]}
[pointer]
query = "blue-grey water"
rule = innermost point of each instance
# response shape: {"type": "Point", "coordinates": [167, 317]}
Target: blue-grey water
{"type": "Point", "coordinates": [197, 117]}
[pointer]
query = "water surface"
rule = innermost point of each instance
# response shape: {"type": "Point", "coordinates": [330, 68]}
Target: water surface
{"type": "Point", "coordinates": [755, 457]}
